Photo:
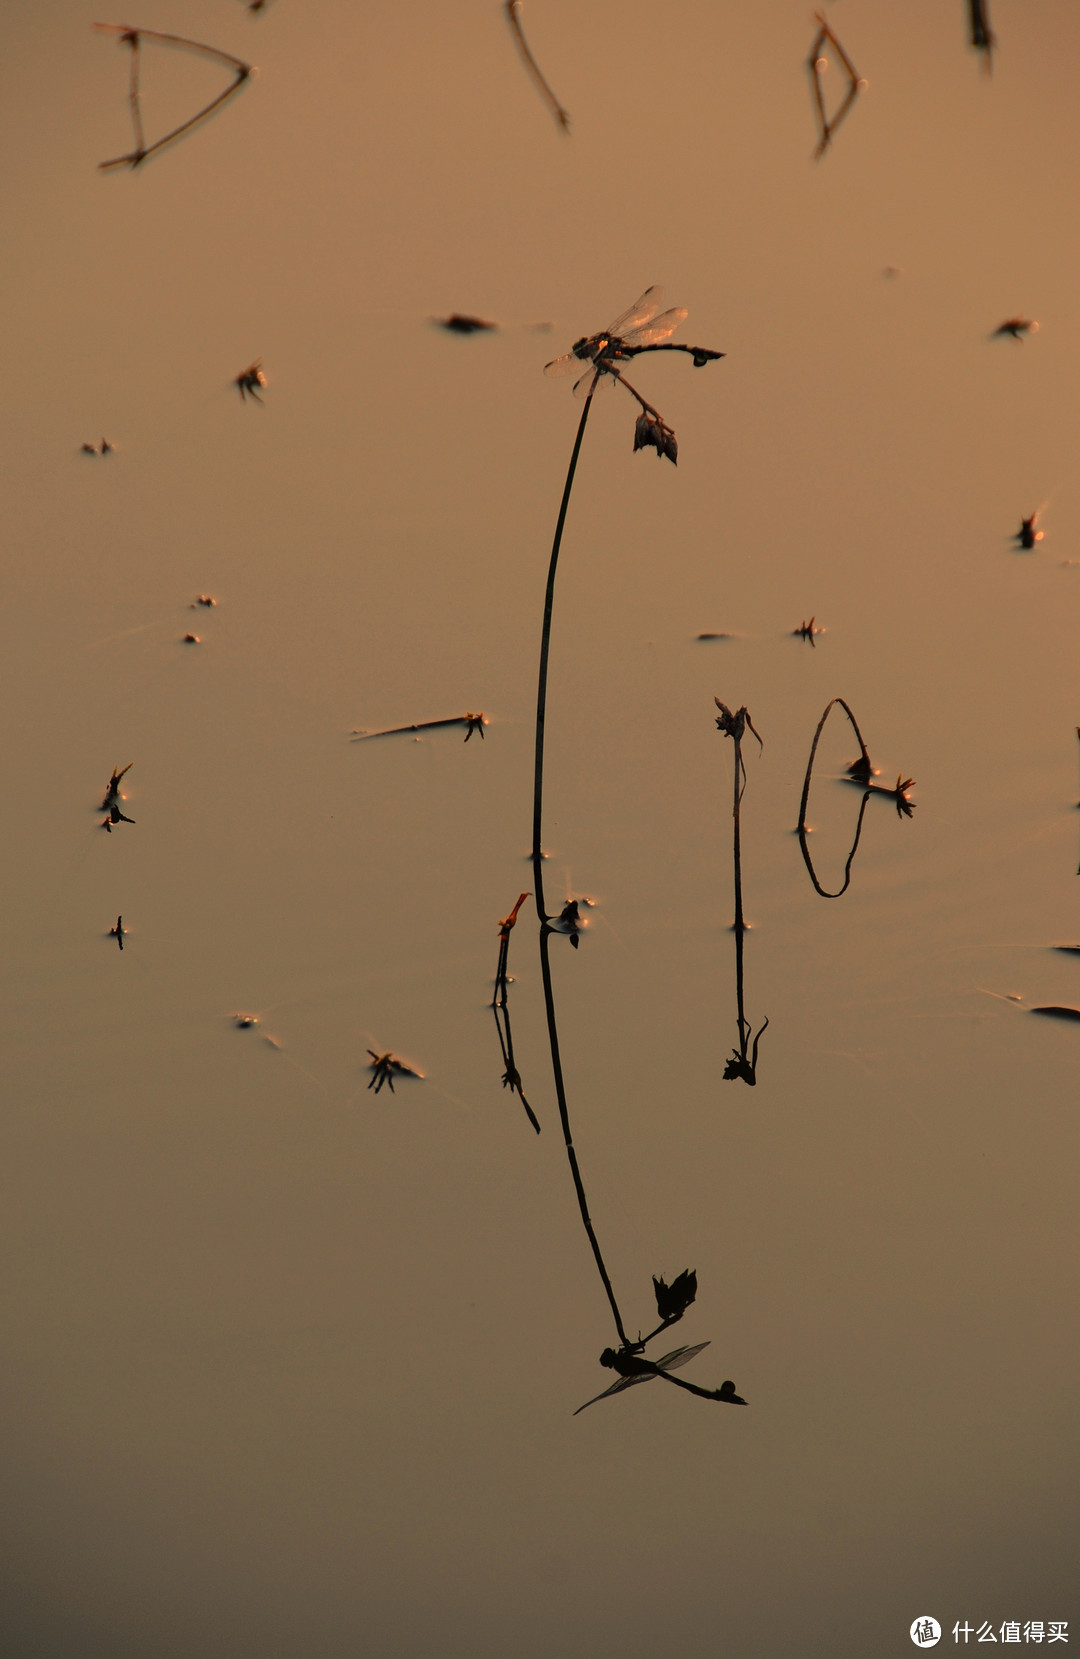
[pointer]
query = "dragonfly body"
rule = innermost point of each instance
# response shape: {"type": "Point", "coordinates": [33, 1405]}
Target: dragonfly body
{"type": "Point", "coordinates": [643, 328]}
{"type": "Point", "coordinates": [633, 1368]}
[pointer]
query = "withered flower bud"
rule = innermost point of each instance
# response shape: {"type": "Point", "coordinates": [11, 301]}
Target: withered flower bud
{"type": "Point", "coordinates": [650, 432]}
{"type": "Point", "coordinates": [673, 1300]}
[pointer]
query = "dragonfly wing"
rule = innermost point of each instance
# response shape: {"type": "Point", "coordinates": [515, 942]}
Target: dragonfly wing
{"type": "Point", "coordinates": [679, 1356]}
{"type": "Point", "coordinates": [661, 328]}
{"type": "Point", "coordinates": [569, 363]}
{"type": "Point", "coordinates": [641, 312]}
{"type": "Point", "coordinates": [585, 384]}
{"type": "Point", "coordinates": [616, 1388]}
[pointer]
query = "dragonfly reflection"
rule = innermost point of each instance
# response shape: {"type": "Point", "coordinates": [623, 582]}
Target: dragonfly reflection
{"type": "Point", "coordinates": [634, 1368]}
{"type": "Point", "coordinates": [639, 329]}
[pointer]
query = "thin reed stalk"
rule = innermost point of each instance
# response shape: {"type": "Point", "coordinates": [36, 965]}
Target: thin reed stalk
{"type": "Point", "coordinates": [538, 872]}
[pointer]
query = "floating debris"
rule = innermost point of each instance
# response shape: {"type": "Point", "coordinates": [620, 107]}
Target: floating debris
{"type": "Point", "coordinates": [385, 1067]}
{"type": "Point", "coordinates": [133, 38]}
{"type": "Point", "coordinates": [472, 723]}
{"type": "Point", "coordinates": [904, 807]}
{"type": "Point", "coordinates": [203, 599]}
{"type": "Point", "coordinates": [249, 380]}
{"type": "Point", "coordinates": [1017, 327]}
{"type": "Point", "coordinates": [113, 793]}
{"type": "Point", "coordinates": [458, 324]}
{"type": "Point", "coordinates": [1027, 535]}
{"type": "Point", "coordinates": [982, 37]}
{"type": "Point", "coordinates": [818, 67]}
{"type": "Point", "coordinates": [562, 116]}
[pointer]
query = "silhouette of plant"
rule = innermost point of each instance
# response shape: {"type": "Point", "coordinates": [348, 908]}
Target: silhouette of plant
{"type": "Point", "coordinates": [600, 356]}
{"type": "Point", "coordinates": [743, 1062]}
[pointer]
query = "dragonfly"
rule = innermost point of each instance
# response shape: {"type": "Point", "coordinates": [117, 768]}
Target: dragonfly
{"type": "Point", "coordinates": [634, 1368]}
{"type": "Point", "coordinates": [644, 327]}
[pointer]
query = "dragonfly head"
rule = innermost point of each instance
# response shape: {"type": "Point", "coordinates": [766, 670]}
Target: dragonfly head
{"type": "Point", "coordinates": [608, 1358]}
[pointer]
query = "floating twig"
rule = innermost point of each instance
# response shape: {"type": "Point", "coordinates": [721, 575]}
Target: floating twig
{"type": "Point", "coordinates": [562, 116]}
{"type": "Point", "coordinates": [473, 723]}
{"type": "Point", "coordinates": [113, 793]}
{"type": "Point", "coordinates": [817, 66]}
{"type": "Point", "coordinates": [133, 39]}
{"type": "Point", "coordinates": [807, 630]}
{"type": "Point", "coordinates": [982, 37]}
{"type": "Point", "coordinates": [904, 807]}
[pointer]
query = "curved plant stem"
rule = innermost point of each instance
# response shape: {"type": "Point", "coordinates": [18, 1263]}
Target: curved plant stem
{"type": "Point", "coordinates": [862, 769]}
{"type": "Point", "coordinates": [545, 647]}
{"type": "Point", "coordinates": [538, 872]}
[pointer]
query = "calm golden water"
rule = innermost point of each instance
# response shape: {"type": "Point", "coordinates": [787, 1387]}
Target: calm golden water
{"type": "Point", "coordinates": [289, 1366]}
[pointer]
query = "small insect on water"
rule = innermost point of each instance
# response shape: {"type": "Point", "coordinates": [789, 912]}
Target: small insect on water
{"type": "Point", "coordinates": [117, 932]}
{"type": "Point", "coordinates": [249, 380]}
{"type": "Point", "coordinates": [807, 630]}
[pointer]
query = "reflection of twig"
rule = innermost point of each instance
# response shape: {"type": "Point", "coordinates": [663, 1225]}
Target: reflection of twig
{"type": "Point", "coordinates": [743, 1063]}
{"type": "Point", "coordinates": [501, 1010]}
{"type": "Point", "coordinates": [562, 116]}
{"type": "Point", "coordinates": [817, 65]}
{"type": "Point", "coordinates": [133, 38]}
